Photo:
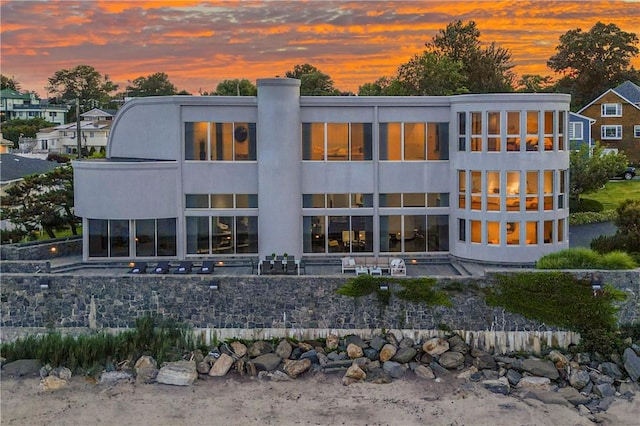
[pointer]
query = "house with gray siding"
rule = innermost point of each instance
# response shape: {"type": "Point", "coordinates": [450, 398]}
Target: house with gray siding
{"type": "Point", "coordinates": [481, 177]}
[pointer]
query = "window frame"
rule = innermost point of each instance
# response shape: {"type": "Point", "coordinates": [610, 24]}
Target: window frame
{"type": "Point", "coordinates": [616, 127]}
{"type": "Point", "coordinates": [604, 112]}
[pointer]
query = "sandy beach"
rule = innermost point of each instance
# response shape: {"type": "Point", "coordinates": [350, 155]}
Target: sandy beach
{"type": "Point", "coordinates": [314, 399]}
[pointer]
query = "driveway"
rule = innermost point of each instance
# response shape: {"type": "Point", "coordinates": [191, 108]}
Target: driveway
{"type": "Point", "coordinates": [581, 235]}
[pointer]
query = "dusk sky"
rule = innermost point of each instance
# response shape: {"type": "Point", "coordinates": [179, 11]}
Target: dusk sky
{"type": "Point", "coordinates": [200, 43]}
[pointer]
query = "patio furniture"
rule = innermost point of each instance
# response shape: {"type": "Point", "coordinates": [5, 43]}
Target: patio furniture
{"type": "Point", "coordinates": [348, 264]}
{"type": "Point", "coordinates": [207, 267]}
{"type": "Point", "coordinates": [139, 268]}
{"type": "Point", "coordinates": [161, 268]}
{"type": "Point", "coordinates": [362, 270]}
{"type": "Point", "coordinates": [398, 267]}
{"type": "Point", "coordinates": [184, 267]}
{"type": "Point", "coordinates": [376, 270]}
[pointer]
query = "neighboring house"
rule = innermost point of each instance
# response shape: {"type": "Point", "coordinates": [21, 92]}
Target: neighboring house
{"type": "Point", "coordinates": [5, 144]}
{"type": "Point", "coordinates": [481, 177]}
{"type": "Point", "coordinates": [16, 105]}
{"type": "Point", "coordinates": [94, 128]}
{"type": "Point", "coordinates": [617, 119]}
{"type": "Point", "coordinates": [14, 168]}
{"type": "Point", "coordinates": [580, 131]}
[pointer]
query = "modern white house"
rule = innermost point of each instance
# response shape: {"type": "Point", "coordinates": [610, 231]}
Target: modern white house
{"type": "Point", "coordinates": [482, 177]}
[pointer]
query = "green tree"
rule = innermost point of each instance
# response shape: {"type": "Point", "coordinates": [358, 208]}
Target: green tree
{"type": "Point", "coordinates": [313, 82]}
{"type": "Point", "coordinates": [83, 82]}
{"type": "Point", "coordinates": [13, 129]}
{"type": "Point", "coordinates": [486, 69]}
{"type": "Point", "coordinates": [9, 83]}
{"type": "Point", "coordinates": [384, 86]}
{"type": "Point", "coordinates": [157, 84]}
{"type": "Point", "coordinates": [430, 74]}
{"type": "Point", "coordinates": [41, 201]}
{"type": "Point", "coordinates": [590, 171]}
{"type": "Point", "coordinates": [534, 83]}
{"type": "Point", "coordinates": [592, 62]}
{"type": "Point", "coordinates": [236, 87]}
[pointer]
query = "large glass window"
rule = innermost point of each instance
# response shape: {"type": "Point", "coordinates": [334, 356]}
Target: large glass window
{"type": "Point", "coordinates": [437, 141]}
{"type": "Point", "coordinates": [98, 238]}
{"type": "Point", "coordinates": [532, 233]}
{"type": "Point", "coordinates": [476, 131]}
{"type": "Point", "coordinates": [222, 234]}
{"type": "Point", "coordinates": [438, 233]}
{"type": "Point", "coordinates": [532, 191]}
{"type": "Point", "coordinates": [462, 131]}
{"type": "Point", "coordinates": [313, 141]}
{"type": "Point", "coordinates": [513, 191]}
{"type": "Point", "coordinates": [313, 234]}
{"type": "Point", "coordinates": [119, 238]}
{"type": "Point", "coordinates": [462, 229]}
{"type": "Point", "coordinates": [390, 233]}
{"type": "Point", "coordinates": [476, 231]}
{"type": "Point", "coordinates": [145, 231]}
{"type": "Point", "coordinates": [413, 199]}
{"type": "Point", "coordinates": [549, 125]}
{"type": "Point", "coordinates": [548, 231]}
{"type": "Point", "coordinates": [548, 189]}
{"type": "Point", "coordinates": [462, 187]}
{"type": "Point", "coordinates": [513, 233]}
{"type": "Point", "coordinates": [533, 121]}
{"type": "Point", "coordinates": [493, 191]}
{"type": "Point", "coordinates": [493, 233]}
{"type": "Point", "coordinates": [246, 234]}
{"type": "Point", "coordinates": [391, 200]}
{"type": "Point", "coordinates": [220, 141]}
{"type": "Point", "coordinates": [513, 131]}
{"type": "Point", "coordinates": [344, 141]}
{"type": "Point", "coordinates": [611, 132]}
{"type": "Point", "coordinates": [476, 190]}
{"type": "Point", "coordinates": [561, 126]}
{"type": "Point", "coordinates": [167, 237]}
{"type": "Point", "coordinates": [414, 141]}
{"type": "Point", "coordinates": [493, 131]}
{"type": "Point", "coordinates": [611, 110]}
{"type": "Point", "coordinates": [391, 141]}
{"type": "Point", "coordinates": [198, 235]}
{"type": "Point", "coordinates": [438, 199]}
{"type": "Point", "coordinates": [349, 234]}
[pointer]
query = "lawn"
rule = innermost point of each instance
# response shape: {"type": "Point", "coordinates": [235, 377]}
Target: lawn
{"type": "Point", "coordinates": [615, 192]}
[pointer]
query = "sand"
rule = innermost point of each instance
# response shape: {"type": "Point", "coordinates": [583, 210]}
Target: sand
{"type": "Point", "coordinates": [312, 400]}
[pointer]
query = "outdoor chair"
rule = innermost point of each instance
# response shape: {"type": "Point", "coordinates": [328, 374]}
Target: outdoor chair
{"type": "Point", "coordinates": [184, 267]}
{"type": "Point", "coordinates": [161, 268]}
{"type": "Point", "coordinates": [207, 267]}
{"type": "Point", "coordinates": [398, 268]}
{"type": "Point", "coordinates": [139, 268]}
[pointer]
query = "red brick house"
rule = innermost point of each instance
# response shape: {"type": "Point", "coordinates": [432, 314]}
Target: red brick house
{"type": "Point", "coordinates": [617, 115]}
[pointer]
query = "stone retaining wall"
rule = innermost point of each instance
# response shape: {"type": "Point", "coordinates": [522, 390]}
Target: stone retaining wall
{"type": "Point", "coordinates": [257, 303]}
{"type": "Point", "coordinates": [37, 250]}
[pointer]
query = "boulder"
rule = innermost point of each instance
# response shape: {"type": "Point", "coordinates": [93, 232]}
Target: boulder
{"type": "Point", "coordinates": [284, 349]}
{"type": "Point", "coordinates": [533, 382]}
{"type": "Point", "coordinates": [394, 369]}
{"type": "Point", "coordinates": [22, 367]}
{"type": "Point", "coordinates": [294, 368]}
{"type": "Point", "coordinates": [371, 353]}
{"type": "Point", "coordinates": [579, 379]}
{"type": "Point", "coordinates": [573, 396]}
{"type": "Point", "coordinates": [631, 364]}
{"type": "Point", "coordinates": [387, 352]}
{"type": "Point", "coordinates": [424, 372]}
{"type": "Point", "coordinates": [407, 342]}
{"type": "Point", "coordinates": [61, 372]}
{"type": "Point", "coordinates": [537, 367]}
{"type": "Point", "coordinates": [51, 383]}
{"type": "Point", "coordinates": [404, 355]}
{"type": "Point", "coordinates": [179, 373]}
{"type": "Point", "coordinates": [355, 340]}
{"type": "Point", "coordinates": [451, 360]}
{"type": "Point", "coordinates": [354, 351]}
{"type": "Point", "coordinates": [355, 372]}
{"type": "Point", "coordinates": [145, 361]}
{"type": "Point", "coordinates": [268, 362]}
{"type": "Point", "coordinates": [604, 389]}
{"type": "Point", "coordinates": [311, 355]}
{"type": "Point", "coordinates": [435, 346]}
{"type": "Point", "coordinates": [111, 377]}
{"type": "Point", "coordinates": [258, 348]}
{"type": "Point", "coordinates": [378, 376]}
{"type": "Point", "coordinates": [332, 342]}
{"type": "Point", "coordinates": [377, 343]}
{"type": "Point", "coordinates": [221, 366]}
{"type": "Point", "coordinates": [239, 348]}
{"type": "Point", "coordinates": [513, 377]}
{"type": "Point", "coordinates": [485, 362]}
{"type": "Point", "coordinates": [558, 359]}
{"type": "Point", "coordinates": [497, 386]}
{"type": "Point", "coordinates": [611, 370]}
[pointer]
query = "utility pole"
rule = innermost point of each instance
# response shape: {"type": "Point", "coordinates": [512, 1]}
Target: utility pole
{"type": "Point", "coordinates": [78, 137]}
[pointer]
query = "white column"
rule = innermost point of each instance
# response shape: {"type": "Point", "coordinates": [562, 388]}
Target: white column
{"type": "Point", "coordinates": [279, 167]}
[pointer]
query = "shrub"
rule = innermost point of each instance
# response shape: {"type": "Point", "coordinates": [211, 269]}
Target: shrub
{"type": "Point", "coordinates": [585, 205]}
{"type": "Point", "coordinates": [415, 290]}
{"type": "Point", "coordinates": [585, 218]}
{"type": "Point", "coordinates": [583, 258]}
{"type": "Point", "coordinates": [556, 298]}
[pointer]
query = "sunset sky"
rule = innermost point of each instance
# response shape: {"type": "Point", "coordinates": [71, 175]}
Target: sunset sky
{"type": "Point", "coordinates": [200, 43]}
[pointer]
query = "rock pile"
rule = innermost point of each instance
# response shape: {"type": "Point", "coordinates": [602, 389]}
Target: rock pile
{"type": "Point", "coordinates": [582, 380]}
